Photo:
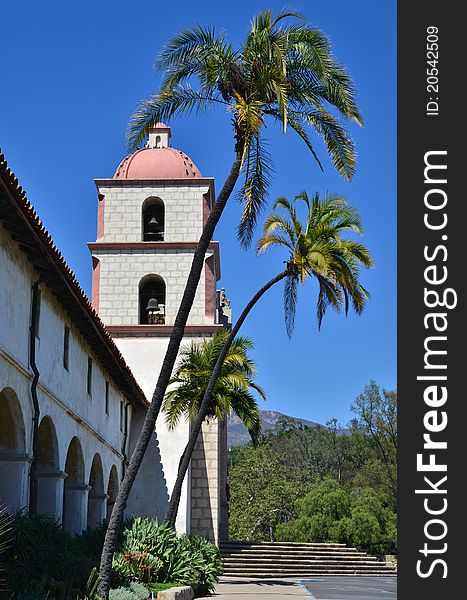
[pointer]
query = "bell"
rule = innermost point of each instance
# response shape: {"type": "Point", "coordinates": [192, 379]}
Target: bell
{"type": "Point", "coordinates": [153, 304]}
{"type": "Point", "coordinates": [153, 222]}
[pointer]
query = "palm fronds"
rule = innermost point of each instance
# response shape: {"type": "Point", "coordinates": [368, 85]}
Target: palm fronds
{"type": "Point", "coordinates": [235, 389]}
{"type": "Point", "coordinates": [318, 250]}
{"type": "Point", "coordinates": [285, 70]}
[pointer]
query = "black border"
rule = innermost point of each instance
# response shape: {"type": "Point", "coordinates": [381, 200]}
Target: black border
{"type": "Point", "coordinates": [418, 134]}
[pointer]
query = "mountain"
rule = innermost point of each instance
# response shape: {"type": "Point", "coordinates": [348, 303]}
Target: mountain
{"type": "Point", "coordinates": [237, 434]}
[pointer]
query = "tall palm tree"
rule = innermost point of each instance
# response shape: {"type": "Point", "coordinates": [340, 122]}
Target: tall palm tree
{"type": "Point", "coordinates": [316, 250]}
{"type": "Point", "coordinates": [284, 71]}
{"type": "Point", "coordinates": [232, 391]}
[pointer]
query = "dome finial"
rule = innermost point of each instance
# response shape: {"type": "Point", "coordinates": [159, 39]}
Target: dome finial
{"type": "Point", "coordinates": [159, 136]}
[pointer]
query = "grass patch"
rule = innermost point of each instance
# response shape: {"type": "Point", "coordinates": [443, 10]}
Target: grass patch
{"type": "Point", "coordinates": [159, 587]}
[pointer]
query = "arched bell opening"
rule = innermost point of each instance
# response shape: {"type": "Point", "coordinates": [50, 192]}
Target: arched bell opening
{"type": "Point", "coordinates": [153, 220]}
{"type": "Point", "coordinates": [152, 300]}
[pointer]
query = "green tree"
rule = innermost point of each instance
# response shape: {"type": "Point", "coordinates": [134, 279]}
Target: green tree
{"type": "Point", "coordinates": [283, 71]}
{"type": "Point", "coordinates": [334, 513]}
{"type": "Point", "coordinates": [263, 492]}
{"type": "Point", "coordinates": [376, 421]}
{"type": "Point", "coordinates": [316, 250]}
{"type": "Point", "coordinates": [233, 389]}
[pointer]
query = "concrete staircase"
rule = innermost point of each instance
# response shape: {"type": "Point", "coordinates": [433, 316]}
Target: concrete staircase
{"type": "Point", "coordinates": [293, 559]}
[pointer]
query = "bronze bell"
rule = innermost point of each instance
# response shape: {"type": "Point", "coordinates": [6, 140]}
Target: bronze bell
{"type": "Point", "coordinates": [153, 304]}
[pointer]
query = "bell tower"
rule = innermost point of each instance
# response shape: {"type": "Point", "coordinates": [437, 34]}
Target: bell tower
{"type": "Point", "coordinates": [150, 216]}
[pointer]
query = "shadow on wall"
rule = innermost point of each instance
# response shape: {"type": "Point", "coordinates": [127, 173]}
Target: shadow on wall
{"type": "Point", "coordinates": [201, 508]}
{"type": "Point", "coordinates": [149, 496]}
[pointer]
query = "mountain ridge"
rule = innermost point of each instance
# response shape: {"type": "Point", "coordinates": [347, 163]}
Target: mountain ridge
{"type": "Point", "coordinates": [237, 434]}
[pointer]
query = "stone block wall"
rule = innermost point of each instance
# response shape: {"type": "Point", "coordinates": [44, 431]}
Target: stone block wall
{"type": "Point", "coordinates": [121, 272]}
{"type": "Point", "coordinates": [122, 211]}
{"type": "Point", "coordinates": [205, 505]}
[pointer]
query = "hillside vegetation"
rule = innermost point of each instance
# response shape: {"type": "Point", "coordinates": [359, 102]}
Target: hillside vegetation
{"type": "Point", "coordinates": [313, 484]}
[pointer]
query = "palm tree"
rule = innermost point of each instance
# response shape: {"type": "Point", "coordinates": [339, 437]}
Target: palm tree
{"type": "Point", "coordinates": [232, 391]}
{"type": "Point", "coordinates": [316, 251]}
{"type": "Point", "coordinates": [284, 71]}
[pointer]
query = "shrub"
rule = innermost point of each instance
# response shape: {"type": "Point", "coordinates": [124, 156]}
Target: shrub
{"type": "Point", "coordinates": [43, 560]}
{"type": "Point", "coordinates": [206, 563]}
{"type": "Point", "coordinates": [354, 516]}
{"type": "Point", "coordinates": [40, 559]}
{"type": "Point", "coordinates": [135, 591]}
{"type": "Point", "coordinates": [152, 552]}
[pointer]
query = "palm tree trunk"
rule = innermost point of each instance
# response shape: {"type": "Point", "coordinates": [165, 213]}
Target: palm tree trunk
{"type": "Point", "coordinates": [172, 509]}
{"type": "Point", "coordinates": [116, 518]}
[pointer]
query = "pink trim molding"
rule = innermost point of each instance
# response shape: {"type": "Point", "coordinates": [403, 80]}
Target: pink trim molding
{"type": "Point", "coordinates": [209, 286]}
{"type": "Point", "coordinates": [96, 282]}
{"type": "Point", "coordinates": [100, 216]}
{"type": "Point", "coordinates": [159, 330]}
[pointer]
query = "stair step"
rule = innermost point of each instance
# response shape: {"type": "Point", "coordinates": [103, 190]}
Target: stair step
{"type": "Point", "coordinates": [297, 559]}
{"type": "Point", "coordinates": [307, 567]}
{"type": "Point", "coordinates": [283, 545]}
{"type": "Point", "coordinates": [308, 574]}
{"type": "Point", "coordinates": [264, 568]}
{"type": "Point", "coordinates": [304, 563]}
{"type": "Point", "coordinates": [268, 554]}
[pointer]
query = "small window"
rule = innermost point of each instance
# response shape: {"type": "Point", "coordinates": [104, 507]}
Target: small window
{"type": "Point", "coordinates": [89, 382]}
{"type": "Point", "coordinates": [36, 317]}
{"type": "Point", "coordinates": [66, 347]}
{"type": "Point", "coordinates": [107, 397]}
{"type": "Point", "coordinates": [122, 417]}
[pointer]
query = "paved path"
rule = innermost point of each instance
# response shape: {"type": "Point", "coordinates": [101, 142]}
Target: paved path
{"type": "Point", "coordinates": [352, 588]}
{"type": "Point", "coordinates": [329, 588]}
{"type": "Point", "coordinates": [240, 588]}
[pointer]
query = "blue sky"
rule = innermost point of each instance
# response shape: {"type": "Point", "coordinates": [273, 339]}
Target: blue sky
{"type": "Point", "coordinates": [72, 74]}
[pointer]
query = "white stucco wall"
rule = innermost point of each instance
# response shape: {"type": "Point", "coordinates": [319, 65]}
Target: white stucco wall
{"type": "Point", "coordinates": [62, 393]}
{"type": "Point", "coordinates": [144, 357]}
{"type": "Point", "coordinates": [150, 494]}
{"type": "Point", "coordinates": [17, 277]}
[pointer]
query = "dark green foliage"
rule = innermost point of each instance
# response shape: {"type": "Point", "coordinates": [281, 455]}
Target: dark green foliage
{"type": "Point", "coordinates": [43, 560]}
{"type": "Point", "coordinates": [208, 563]}
{"type": "Point", "coordinates": [354, 516]}
{"type": "Point", "coordinates": [5, 527]}
{"type": "Point", "coordinates": [264, 489]}
{"type": "Point", "coordinates": [376, 421]}
{"type": "Point", "coordinates": [153, 552]}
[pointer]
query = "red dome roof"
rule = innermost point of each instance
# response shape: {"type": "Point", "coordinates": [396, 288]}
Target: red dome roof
{"type": "Point", "coordinates": [157, 163]}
